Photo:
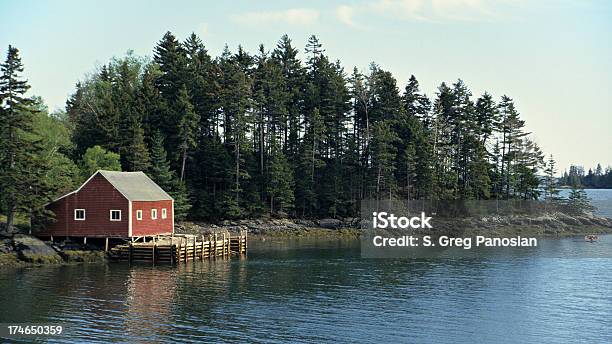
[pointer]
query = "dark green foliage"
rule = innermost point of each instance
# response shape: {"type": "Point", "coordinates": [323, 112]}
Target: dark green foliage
{"type": "Point", "coordinates": [279, 181]}
{"type": "Point", "coordinates": [187, 126]}
{"type": "Point", "coordinates": [598, 179]}
{"type": "Point", "coordinates": [578, 202]}
{"type": "Point", "coordinates": [24, 183]}
{"type": "Point", "coordinates": [383, 160]}
{"type": "Point", "coordinates": [265, 133]}
{"type": "Point", "coordinates": [160, 170]}
{"type": "Point", "coordinates": [161, 174]}
{"type": "Point", "coordinates": [550, 187]}
{"type": "Point", "coordinates": [244, 135]}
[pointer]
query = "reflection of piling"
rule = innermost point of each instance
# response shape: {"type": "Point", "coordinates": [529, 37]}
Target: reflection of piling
{"type": "Point", "coordinates": [180, 248]}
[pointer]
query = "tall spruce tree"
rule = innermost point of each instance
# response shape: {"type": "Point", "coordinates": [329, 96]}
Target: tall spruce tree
{"type": "Point", "coordinates": [279, 181]}
{"type": "Point", "coordinates": [551, 192]}
{"type": "Point", "coordinates": [22, 166]}
{"type": "Point", "coordinates": [162, 174]}
{"type": "Point", "coordinates": [187, 127]}
{"type": "Point", "coordinates": [384, 160]}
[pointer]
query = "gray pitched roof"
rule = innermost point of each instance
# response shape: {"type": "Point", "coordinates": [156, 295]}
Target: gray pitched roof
{"type": "Point", "coordinates": [135, 186]}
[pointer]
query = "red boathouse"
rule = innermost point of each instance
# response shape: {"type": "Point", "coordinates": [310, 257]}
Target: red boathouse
{"type": "Point", "coordinates": [112, 205]}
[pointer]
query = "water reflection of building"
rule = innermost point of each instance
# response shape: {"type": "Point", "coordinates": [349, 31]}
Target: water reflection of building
{"type": "Point", "coordinates": [150, 295]}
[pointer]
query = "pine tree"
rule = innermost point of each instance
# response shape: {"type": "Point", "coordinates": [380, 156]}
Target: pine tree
{"type": "Point", "coordinates": [511, 128]}
{"type": "Point", "coordinates": [161, 174]}
{"type": "Point", "coordinates": [131, 140]}
{"type": "Point", "coordinates": [201, 82]}
{"type": "Point", "coordinates": [551, 193]}
{"type": "Point", "coordinates": [479, 169]}
{"type": "Point", "coordinates": [236, 104]}
{"type": "Point", "coordinates": [22, 165]}
{"type": "Point", "coordinates": [578, 202]}
{"type": "Point", "coordinates": [410, 171]}
{"type": "Point", "coordinates": [285, 56]}
{"type": "Point", "coordinates": [310, 162]}
{"type": "Point", "coordinates": [384, 160]}
{"type": "Point", "coordinates": [160, 170]}
{"type": "Point", "coordinates": [416, 103]}
{"type": "Point", "coordinates": [187, 127]}
{"type": "Point", "coordinates": [279, 180]}
{"type": "Point", "coordinates": [182, 204]}
{"type": "Point", "coordinates": [315, 50]}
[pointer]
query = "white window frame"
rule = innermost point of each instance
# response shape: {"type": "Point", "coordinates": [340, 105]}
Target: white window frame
{"type": "Point", "coordinates": [84, 215]}
{"type": "Point", "coordinates": [164, 213]}
{"type": "Point", "coordinates": [153, 214]}
{"type": "Point", "coordinates": [138, 215]}
{"type": "Point", "coordinates": [111, 214]}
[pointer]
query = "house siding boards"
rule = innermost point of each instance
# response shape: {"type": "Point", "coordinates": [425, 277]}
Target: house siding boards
{"type": "Point", "coordinates": [149, 226]}
{"type": "Point", "coordinates": [98, 197]}
{"type": "Point", "coordinates": [106, 191]}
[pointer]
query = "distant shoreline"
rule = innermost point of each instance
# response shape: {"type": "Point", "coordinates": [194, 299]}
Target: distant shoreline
{"type": "Point", "coordinates": [548, 225]}
{"type": "Point", "coordinates": [24, 250]}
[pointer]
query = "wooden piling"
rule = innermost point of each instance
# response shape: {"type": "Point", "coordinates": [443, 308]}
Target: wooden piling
{"type": "Point", "coordinates": [166, 250]}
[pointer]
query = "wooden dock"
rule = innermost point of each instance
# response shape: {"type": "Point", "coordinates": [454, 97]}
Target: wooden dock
{"type": "Point", "coordinates": [177, 249]}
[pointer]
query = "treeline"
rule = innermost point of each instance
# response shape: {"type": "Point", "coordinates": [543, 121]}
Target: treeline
{"type": "Point", "coordinates": [243, 135]}
{"type": "Point", "coordinates": [593, 179]}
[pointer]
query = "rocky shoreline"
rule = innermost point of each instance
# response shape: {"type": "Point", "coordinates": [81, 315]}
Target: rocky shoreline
{"type": "Point", "coordinates": [18, 250]}
{"type": "Point", "coordinates": [554, 224]}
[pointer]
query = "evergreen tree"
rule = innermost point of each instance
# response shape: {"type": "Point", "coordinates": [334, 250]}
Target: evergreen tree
{"type": "Point", "coordinates": [310, 163]}
{"type": "Point", "coordinates": [285, 56]}
{"type": "Point", "coordinates": [383, 160]}
{"type": "Point", "coordinates": [487, 117]}
{"type": "Point", "coordinates": [279, 181]}
{"type": "Point", "coordinates": [161, 174]}
{"type": "Point", "coordinates": [236, 104]}
{"type": "Point", "coordinates": [160, 170]}
{"type": "Point", "coordinates": [232, 124]}
{"type": "Point", "coordinates": [551, 193]}
{"type": "Point", "coordinates": [131, 141]}
{"type": "Point", "coordinates": [511, 129]}
{"type": "Point", "coordinates": [578, 202]}
{"type": "Point", "coordinates": [22, 165]}
{"type": "Point", "coordinates": [416, 103]}
{"type": "Point", "coordinates": [187, 127]}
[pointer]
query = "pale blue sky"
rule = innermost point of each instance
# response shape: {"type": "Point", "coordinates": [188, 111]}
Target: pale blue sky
{"type": "Point", "coordinates": [553, 57]}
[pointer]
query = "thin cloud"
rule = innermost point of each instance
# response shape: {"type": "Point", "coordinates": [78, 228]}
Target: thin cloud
{"type": "Point", "coordinates": [345, 14]}
{"type": "Point", "coordinates": [437, 11]}
{"type": "Point", "coordinates": [293, 16]}
{"type": "Point", "coordinates": [203, 29]}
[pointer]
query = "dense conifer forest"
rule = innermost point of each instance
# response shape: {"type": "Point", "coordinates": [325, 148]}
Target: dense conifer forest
{"type": "Point", "coordinates": [596, 178]}
{"type": "Point", "coordinates": [246, 135]}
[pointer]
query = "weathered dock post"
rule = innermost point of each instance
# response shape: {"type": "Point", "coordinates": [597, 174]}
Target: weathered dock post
{"type": "Point", "coordinates": [202, 251]}
{"type": "Point", "coordinates": [215, 246]}
{"type": "Point", "coordinates": [185, 248]}
{"type": "Point", "coordinates": [223, 247]}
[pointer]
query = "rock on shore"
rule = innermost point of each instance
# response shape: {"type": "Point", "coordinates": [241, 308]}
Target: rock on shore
{"type": "Point", "coordinates": [547, 224]}
{"type": "Point", "coordinates": [22, 249]}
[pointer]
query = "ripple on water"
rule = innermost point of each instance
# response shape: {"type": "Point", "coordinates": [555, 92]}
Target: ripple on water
{"type": "Point", "coordinates": [319, 293]}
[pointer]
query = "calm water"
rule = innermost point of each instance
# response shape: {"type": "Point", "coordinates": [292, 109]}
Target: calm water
{"type": "Point", "coordinates": [309, 291]}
